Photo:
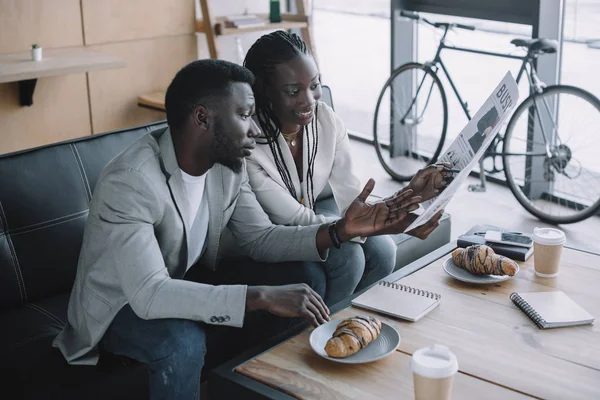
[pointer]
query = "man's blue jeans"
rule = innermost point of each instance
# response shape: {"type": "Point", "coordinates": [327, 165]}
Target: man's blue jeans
{"type": "Point", "coordinates": [176, 350]}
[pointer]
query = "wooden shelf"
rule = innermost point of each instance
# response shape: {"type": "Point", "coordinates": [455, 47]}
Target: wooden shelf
{"type": "Point", "coordinates": [213, 27]}
{"type": "Point", "coordinates": [155, 101]}
{"type": "Point", "coordinates": [288, 21]}
{"type": "Point", "coordinates": [18, 67]}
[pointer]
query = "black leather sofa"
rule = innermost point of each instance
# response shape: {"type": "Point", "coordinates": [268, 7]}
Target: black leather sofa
{"type": "Point", "coordinates": [44, 195]}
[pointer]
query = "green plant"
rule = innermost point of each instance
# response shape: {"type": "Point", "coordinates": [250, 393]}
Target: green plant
{"type": "Point", "coordinates": [35, 46]}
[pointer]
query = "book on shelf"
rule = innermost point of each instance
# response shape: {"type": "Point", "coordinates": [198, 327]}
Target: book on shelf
{"type": "Point", "coordinates": [551, 309]}
{"type": "Point", "coordinates": [398, 300]}
{"type": "Point", "coordinates": [476, 235]}
{"type": "Point", "coordinates": [243, 21]}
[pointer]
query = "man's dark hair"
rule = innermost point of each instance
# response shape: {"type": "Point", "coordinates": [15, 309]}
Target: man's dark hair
{"type": "Point", "coordinates": [265, 54]}
{"type": "Point", "coordinates": [201, 82]}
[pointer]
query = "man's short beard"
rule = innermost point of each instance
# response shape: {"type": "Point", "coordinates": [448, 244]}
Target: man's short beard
{"type": "Point", "coordinates": [235, 164]}
{"type": "Point", "coordinates": [223, 151]}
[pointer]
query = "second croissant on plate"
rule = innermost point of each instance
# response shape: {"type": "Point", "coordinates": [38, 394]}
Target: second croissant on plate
{"type": "Point", "coordinates": [480, 259]}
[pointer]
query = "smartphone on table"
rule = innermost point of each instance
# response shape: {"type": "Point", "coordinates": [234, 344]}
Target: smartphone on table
{"type": "Point", "coordinates": [510, 238]}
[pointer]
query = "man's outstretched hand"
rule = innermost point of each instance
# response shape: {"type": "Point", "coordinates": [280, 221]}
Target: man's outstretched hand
{"type": "Point", "coordinates": [297, 300]}
{"type": "Point", "coordinates": [388, 216]}
{"type": "Point", "coordinates": [367, 219]}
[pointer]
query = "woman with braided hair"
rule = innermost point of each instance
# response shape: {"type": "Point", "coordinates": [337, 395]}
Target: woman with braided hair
{"type": "Point", "coordinates": [301, 171]}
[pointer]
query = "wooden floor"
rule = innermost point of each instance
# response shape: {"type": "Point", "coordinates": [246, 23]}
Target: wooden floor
{"type": "Point", "coordinates": [497, 206]}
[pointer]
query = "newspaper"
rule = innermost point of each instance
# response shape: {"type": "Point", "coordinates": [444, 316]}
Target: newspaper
{"type": "Point", "coordinates": [471, 143]}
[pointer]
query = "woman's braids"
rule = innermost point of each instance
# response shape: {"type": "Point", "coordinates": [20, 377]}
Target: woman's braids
{"type": "Point", "coordinates": [268, 51]}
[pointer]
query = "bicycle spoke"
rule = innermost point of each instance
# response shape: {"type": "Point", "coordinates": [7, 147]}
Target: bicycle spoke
{"type": "Point", "coordinates": [410, 121]}
{"type": "Point", "coordinates": [563, 186]}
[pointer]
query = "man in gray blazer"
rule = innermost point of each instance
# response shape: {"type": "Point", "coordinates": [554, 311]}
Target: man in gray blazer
{"type": "Point", "coordinates": [162, 205]}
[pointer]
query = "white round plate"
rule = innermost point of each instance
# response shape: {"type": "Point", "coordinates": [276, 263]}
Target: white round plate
{"type": "Point", "coordinates": [465, 276]}
{"type": "Point", "coordinates": [384, 345]}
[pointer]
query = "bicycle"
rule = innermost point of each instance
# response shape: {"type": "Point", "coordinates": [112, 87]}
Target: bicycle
{"type": "Point", "coordinates": [411, 120]}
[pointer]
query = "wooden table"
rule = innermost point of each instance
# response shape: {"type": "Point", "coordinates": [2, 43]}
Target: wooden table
{"type": "Point", "coordinates": [501, 353]}
{"type": "Point", "coordinates": [18, 67]}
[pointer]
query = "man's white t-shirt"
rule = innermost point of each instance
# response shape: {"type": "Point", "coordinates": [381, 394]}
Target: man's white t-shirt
{"type": "Point", "coordinates": [194, 188]}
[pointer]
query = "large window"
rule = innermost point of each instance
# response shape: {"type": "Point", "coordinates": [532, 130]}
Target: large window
{"type": "Point", "coordinates": [581, 45]}
{"type": "Point", "coordinates": [353, 44]}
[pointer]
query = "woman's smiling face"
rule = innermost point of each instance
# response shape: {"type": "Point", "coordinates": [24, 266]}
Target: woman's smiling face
{"type": "Point", "coordinates": [294, 89]}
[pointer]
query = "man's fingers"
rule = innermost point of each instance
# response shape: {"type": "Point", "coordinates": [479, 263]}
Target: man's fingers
{"type": "Point", "coordinates": [310, 316]}
{"type": "Point", "coordinates": [404, 203]}
{"type": "Point", "coordinates": [315, 313]}
{"type": "Point", "coordinates": [408, 204]}
{"type": "Point", "coordinates": [318, 302]}
{"type": "Point", "coordinates": [367, 190]}
{"type": "Point", "coordinates": [319, 299]}
{"type": "Point", "coordinates": [398, 197]}
{"type": "Point", "coordinates": [401, 194]}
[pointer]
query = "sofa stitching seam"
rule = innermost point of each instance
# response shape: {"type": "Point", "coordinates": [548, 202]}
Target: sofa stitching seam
{"type": "Point", "coordinates": [46, 312]}
{"type": "Point", "coordinates": [40, 224]}
{"type": "Point", "coordinates": [31, 339]}
{"type": "Point", "coordinates": [81, 173]}
{"type": "Point", "coordinates": [38, 227]}
{"type": "Point", "coordinates": [13, 257]}
{"type": "Point", "coordinates": [85, 178]}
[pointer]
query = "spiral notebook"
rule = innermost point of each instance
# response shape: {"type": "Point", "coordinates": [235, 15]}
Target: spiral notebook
{"type": "Point", "coordinates": [398, 300]}
{"type": "Point", "coordinates": [551, 309]}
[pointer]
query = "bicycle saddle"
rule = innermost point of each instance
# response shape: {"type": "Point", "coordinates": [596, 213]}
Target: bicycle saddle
{"type": "Point", "coordinates": [537, 45]}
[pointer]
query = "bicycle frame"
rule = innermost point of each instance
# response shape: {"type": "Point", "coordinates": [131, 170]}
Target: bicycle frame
{"type": "Point", "coordinates": [534, 82]}
{"type": "Point", "coordinates": [438, 60]}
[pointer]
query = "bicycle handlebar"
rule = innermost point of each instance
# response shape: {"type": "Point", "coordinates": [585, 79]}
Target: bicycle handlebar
{"type": "Point", "coordinates": [467, 27]}
{"type": "Point", "coordinates": [417, 17]}
{"type": "Point", "coordinates": [410, 14]}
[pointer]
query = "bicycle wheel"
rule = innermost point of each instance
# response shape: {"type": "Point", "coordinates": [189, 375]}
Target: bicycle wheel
{"type": "Point", "coordinates": [550, 154]}
{"type": "Point", "coordinates": [410, 121]}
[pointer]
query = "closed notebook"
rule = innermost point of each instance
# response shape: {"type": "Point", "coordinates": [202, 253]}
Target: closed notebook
{"type": "Point", "coordinates": [476, 235]}
{"type": "Point", "coordinates": [551, 309]}
{"type": "Point", "coordinates": [398, 300]}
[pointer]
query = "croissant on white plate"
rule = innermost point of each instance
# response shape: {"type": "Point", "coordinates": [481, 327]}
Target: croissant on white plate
{"type": "Point", "coordinates": [352, 335]}
{"type": "Point", "coordinates": [482, 260]}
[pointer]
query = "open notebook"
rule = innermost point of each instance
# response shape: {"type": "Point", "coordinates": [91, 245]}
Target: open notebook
{"type": "Point", "coordinates": [398, 300]}
{"type": "Point", "coordinates": [551, 309]}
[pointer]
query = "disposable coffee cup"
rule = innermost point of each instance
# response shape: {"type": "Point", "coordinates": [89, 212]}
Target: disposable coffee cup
{"type": "Point", "coordinates": [547, 249]}
{"type": "Point", "coordinates": [433, 372]}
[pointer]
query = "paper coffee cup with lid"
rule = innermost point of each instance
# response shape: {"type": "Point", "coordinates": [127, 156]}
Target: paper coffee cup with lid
{"type": "Point", "coordinates": [547, 250]}
{"type": "Point", "coordinates": [433, 372]}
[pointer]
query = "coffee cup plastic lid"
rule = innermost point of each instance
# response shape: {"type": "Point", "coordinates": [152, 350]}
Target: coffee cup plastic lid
{"type": "Point", "coordinates": [434, 362]}
{"type": "Point", "coordinates": [549, 236]}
